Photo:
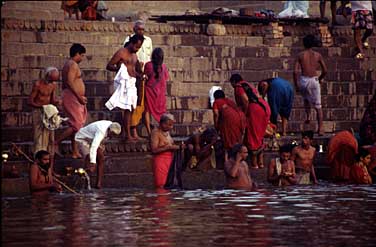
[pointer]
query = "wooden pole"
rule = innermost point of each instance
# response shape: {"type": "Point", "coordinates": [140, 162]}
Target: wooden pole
{"type": "Point", "coordinates": [32, 161]}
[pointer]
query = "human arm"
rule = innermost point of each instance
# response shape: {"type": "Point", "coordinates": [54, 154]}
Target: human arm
{"type": "Point", "coordinates": [53, 99]}
{"type": "Point", "coordinates": [73, 73]}
{"type": "Point", "coordinates": [33, 95]}
{"type": "Point", "coordinates": [98, 138]}
{"type": "Point", "coordinates": [245, 102]}
{"type": "Point", "coordinates": [313, 174]}
{"type": "Point", "coordinates": [272, 175]}
{"type": "Point", "coordinates": [291, 177]}
{"type": "Point", "coordinates": [324, 69]}
{"type": "Point", "coordinates": [112, 65]}
{"type": "Point", "coordinates": [216, 118]}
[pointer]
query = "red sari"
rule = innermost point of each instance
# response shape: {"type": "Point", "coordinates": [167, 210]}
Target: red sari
{"type": "Point", "coordinates": [161, 165]}
{"type": "Point", "coordinates": [231, 122]}
{"type": "Point", "coordinates": [257, 118]}
{"type": "Point", "coordinates": [155, 91]}
{"type": "Point", "coordinates": [359, 174]}
{"type": "Point", "coordinates": [342, 149]}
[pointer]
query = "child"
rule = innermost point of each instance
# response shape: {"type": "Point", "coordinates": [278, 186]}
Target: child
{"type": "Point", "coordinates": [281, 171]}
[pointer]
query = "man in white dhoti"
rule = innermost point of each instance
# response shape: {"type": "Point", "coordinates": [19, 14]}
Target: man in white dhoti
{"type": "Point", "coordinates": [125, 95]}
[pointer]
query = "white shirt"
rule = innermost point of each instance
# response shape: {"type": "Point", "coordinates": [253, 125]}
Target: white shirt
{"type": "Point", "coordinates": [94, 133]}
{"type": "Point", "coordinates": [144, 53]}
{"type": "Point", "coordinates": [361, 5]}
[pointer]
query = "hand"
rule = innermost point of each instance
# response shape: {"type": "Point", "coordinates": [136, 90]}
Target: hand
{"type": "Point", "coordinates": [321, 81]}
{"type": "Point", "coordinates": [174, 147]}
{"type": "Point", "coordinates": [59, 188]}
{"type": "Point", "coordinates": [83, 100]}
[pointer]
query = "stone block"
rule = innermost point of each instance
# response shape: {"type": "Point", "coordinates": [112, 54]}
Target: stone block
{"type": "Point", "coordinates": [229, 41]}
{"type": "Point", "coordinates": [28, 37]}
{"type": "Point", "coordinates": [196, 40]}
{"type": "Point", "coordinates": [10, 36]}
{"type": "Point", "coordinates": [216, 30]}
{"type": "Point", "coordinates": [267, 64]}
{"type": "Point", "coordinates": [255, 41]}
{"type": "Point", "coordinates": [278, 52]}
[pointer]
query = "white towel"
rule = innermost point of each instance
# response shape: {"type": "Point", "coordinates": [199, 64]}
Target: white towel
{"type": "Point", "coordinates": [211, 94]}
{"type": "Point", "coordinates": [125, 95]}
{"type": "Point", "coordinates": [50, 117]}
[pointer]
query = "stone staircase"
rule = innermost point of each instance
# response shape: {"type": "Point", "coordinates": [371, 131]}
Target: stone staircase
{"type": "Point", "coordinates": [196, 61]}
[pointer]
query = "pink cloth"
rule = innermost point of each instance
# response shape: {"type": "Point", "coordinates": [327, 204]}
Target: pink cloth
{"type": "Point", "coordinates": [74, 110]}
{"type": "Point", "coordinates": [155, 91]}
{"type": "Point", "coordinates": [161, 165]}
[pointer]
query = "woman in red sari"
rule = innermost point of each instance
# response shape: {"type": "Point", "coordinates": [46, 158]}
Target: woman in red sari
{"type": "Point", "coordinates": [155, 87]}
{"type": "Point", "coordinates": [162, 148]}
{"type": "Point", "coordinates": [229, 120]}
{"type": "Point", "coordinates": [358, 172]}
{"type": "Point", "coordinates": [257, 112]}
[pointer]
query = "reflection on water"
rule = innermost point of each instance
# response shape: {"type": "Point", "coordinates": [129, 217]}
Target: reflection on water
{"type": "Point", "coordinates": [325, 215]}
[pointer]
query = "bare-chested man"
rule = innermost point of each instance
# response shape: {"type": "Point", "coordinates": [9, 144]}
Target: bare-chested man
{"type": "Point", "coordinates": [128, 57]}
{"type": "Point", "coordinates": [41, 179]}
{"type": "Point", "coordinates": [309, 84]}
{"type": "Point", "coordinates": [43, 93]}
{"type": "Point", "coordinates": [303, 156]}
{"type": "Point", "coordinates": [74, 99]}
{"type": "Point", "coordinates": [281, 171]}
{"type": "Point", "coordinates": [236, 169]}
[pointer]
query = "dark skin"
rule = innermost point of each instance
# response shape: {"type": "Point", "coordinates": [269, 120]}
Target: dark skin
{"type": "Point", "coordinates": [72, 79]}
{"type": "Point", "coordinates": [44, 91]}
{"type": "Point", "coordinates": [128, 57]}
{"type": "Point", "coordinates": [41, 181]}
{"type": "Point", "coordinates": [303, 156]}
{"type": "Point", "coordinates": [237, 172]}
{"type": "Point", "coordinates": [287, 175]}
{"type": "Point", "coordinates": [309, 61]}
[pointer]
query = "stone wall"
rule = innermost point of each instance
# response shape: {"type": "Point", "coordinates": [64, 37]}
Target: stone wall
{"type": "Point", "coordinates": [196, 62]}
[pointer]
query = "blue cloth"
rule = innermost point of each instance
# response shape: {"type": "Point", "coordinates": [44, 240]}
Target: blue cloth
{"type": "Point", "coordinates": [280, 98]}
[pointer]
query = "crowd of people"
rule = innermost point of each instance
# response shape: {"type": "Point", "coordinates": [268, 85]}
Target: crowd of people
{"type": "Point", "coordinates": [239, 126]}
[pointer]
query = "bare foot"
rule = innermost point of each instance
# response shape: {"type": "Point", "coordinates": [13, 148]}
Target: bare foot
{"type": "Point", "coordinates": [130, 139]}
{"type": "Point", "coordinates": [255, 167]}
{"type": "Point", "coordinates": [90, 168]}
{"type": "Point", "coordinates": [261, 166]}
{"type": "Point", "coordinates": [284, 134]}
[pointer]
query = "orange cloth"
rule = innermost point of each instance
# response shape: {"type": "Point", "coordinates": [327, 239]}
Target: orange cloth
{"type": "Point", "coordinates": [342, 149]}
{"type": "Point", "coordinates": [161, 165]}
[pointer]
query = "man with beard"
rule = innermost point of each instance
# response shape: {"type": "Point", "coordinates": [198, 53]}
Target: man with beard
{"type": "Point", "coordinates": [41, 179]}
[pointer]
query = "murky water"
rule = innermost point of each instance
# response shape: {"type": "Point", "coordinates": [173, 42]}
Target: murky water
{"type": "Point", "coordinates": [325, 215]}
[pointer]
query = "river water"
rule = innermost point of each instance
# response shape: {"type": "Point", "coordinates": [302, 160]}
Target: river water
{"type": "Point", "coordinates": [323, 215]}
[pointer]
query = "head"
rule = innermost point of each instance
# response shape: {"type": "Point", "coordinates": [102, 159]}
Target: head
{"type": "Point", "coordinates": [209, 135]}
{"type": "Point", "coordinates": [309, 41]}
{"type": "Point", "coordinates": [363, 156]}
{"type": "Point", "coordinates": [51, 74]}
{"type": "Point", "coordinates": [77, 52]}
{"type": "Point", "coordinates": [285, 153]}
{"type": "Point", "coordinates": [115, 128]}
{"type": "Point", "coordinates": [238, 148]}
{"type": "Point", "coordinates": [139, 27]}
{"type": "Point", "coordinates": [166, 122]}
{"type": "Point", "coordinates": [234, 79]}
{"type": "Point", "coordinates": [307, 137]}
{"type": "Point", "coordinates": [42, 158]}
{"type": "Point", "coordinates": [135, 43]}
{"type": "Point", "coordinates": [157, 56]}
{"type": "Point", "coordinates": [219, 94]}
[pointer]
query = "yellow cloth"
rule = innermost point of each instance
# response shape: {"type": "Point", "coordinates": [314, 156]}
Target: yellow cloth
{"type": "Point", "coordinates": [137, 113]}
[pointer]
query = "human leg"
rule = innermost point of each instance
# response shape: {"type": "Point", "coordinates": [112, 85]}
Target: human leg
{"type": "Point", "coordinates": [100, 168]}
{"type": "Point", "coordinates": [260, 159]}
{"type": "Point", "coordinates": [307, 107]}
{"type": "Point", "coordinates": [284, 125]}
{"type": "Point", "coordinates": [333, 8]}
{"type": "Point", "coordinates": [127, 125]}
{"type": "Point", "coordinates": [67, 133]}
{"type": "Point", "coordinates": [147, 122]}
{"type": "Point", "coordinates": [322, 8]}
{"type": "Point", "coordinates": [75, 152]}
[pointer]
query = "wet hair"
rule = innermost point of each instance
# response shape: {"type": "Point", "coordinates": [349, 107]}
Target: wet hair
{"type": "Point", "coordinates": [285, 148]}
{"type": "Point", "coordinates": [135, 38]}
{"type": "Point", "coordinates": [76, 48]}
{"type": "Point", "coordinates": [209, 134]}
{"type": "Point", "coordinates": [48, 71]}
{"type": "Point", "coordinates": [219, 94]}
{"type": "Point", "coordinates": [236, 78]}
{"type": "Point", "coordinates": [309, 41]}
{"type": "Point", "coordinates": [39, 155]}
{"type": "Point", "coordinates": [166, 117]}
{"type": "Point", "coordinates": [115, 128]}
{"type": "Point", "coordinates": [235, 150]}
{"type": "Point", "coordinates": [307, 133]}
{"type": "Point", "coordinates": [362, 153]}
{"type": "Point", "coordinates": [157, 61]}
